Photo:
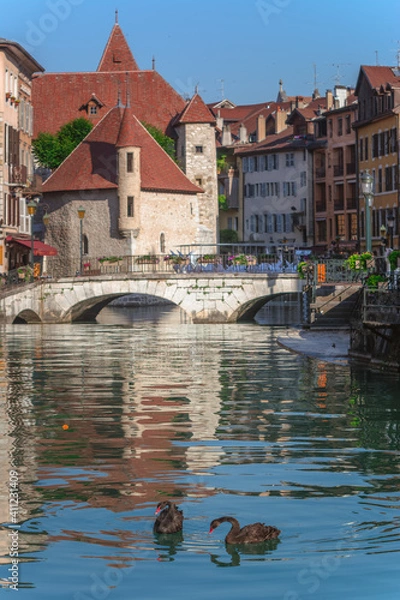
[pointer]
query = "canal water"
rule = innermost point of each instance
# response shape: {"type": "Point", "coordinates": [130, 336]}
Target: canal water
{"type": "Point", "coordinates": [100, 422]}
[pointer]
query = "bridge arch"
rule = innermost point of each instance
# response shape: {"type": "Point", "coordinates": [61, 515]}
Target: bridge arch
{"type": "Point", "coordinates": [211, 298]}
{"type": "Point", "coordinates": [27, 316]}
{"type": "Point", "coordinates": [88, 309]}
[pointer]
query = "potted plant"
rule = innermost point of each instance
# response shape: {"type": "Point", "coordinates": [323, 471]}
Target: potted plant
{"type": "Point", "coordinates": [358, 262]}
{"type": "Point", "coordinates": [374, 280]}
{"type": "Point", "coordinates": [207, 259]}
{"type": "Point", "coordinates": [25, 273]}
{"type": "Point", "coordinates": [109, 259]}
{"type": "Point", "coordinates": [305, 268]}
{"type": "Point", "coordinates": [175, 260]}
{"type": "Point", "coordinates": [147, 259]}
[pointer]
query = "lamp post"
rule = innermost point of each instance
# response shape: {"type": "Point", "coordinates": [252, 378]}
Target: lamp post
{"type": "Point", "coordinates": [383, 232]}
{"type": "Point", "coordinates": [81, 215]}
{"type": "Point", "coordinates": [32, 206]}
{"type": "Point", "coordinates": [367, 186]}
{"type": "Point", "coordinates": [390, 224]}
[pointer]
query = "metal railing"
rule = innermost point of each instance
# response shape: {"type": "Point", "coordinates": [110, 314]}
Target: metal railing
{"type": "Point", "coordinates": [188, 264]}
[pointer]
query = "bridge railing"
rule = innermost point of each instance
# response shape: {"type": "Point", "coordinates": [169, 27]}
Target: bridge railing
{"type": "Point", "coordinates": [190, 264]}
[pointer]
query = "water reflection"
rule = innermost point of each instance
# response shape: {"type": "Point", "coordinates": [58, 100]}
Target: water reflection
{"type": "Point", "coordinates": [167, 545]}
{"type": "Point", "coordinates": [103, 421]}
{"type": "Point", "coordinates": [254, 552]}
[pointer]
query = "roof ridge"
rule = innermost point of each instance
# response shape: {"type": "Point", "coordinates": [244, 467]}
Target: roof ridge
{"type": "Point", "coordinates": [117, 52]}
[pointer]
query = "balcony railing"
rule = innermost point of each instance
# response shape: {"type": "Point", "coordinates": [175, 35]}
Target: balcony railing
{"type": "Point", "coordinates": [339, 204]}
{"type": "Point", "coordinates": [320, 172]}
{"type": "Point", "coordinates": [337, 170]}
{"type": "Point", "coordinates": [351, 203]}
{"type": "Point", "coordinates": [320, 206]}
{"type": "Point", "coordinates": [351, 168]}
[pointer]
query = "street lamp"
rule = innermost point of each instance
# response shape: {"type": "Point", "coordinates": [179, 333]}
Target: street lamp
{"type": "Point", "coordinates": [367, 186]}
{"type": "Point", "coordinates": [81, 215]}
{"type": "Point", "coordinates": [32, 206]}
{"type": "Point", "coordinates": [390, 224]}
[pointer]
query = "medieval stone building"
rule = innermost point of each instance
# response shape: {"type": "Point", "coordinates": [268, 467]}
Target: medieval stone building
{"type": "Point", "coordinates": [137, 200]}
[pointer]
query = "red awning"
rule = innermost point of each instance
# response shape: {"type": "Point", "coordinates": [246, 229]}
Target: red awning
{"type": "Point", "coordinates": [39, 248]}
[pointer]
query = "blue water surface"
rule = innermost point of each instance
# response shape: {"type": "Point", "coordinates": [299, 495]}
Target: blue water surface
{"type": "Point", "coordinates": [102, 421]}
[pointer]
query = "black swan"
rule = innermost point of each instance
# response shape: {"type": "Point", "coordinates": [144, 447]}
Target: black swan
{"type": "Point", "coordinates": [169, 519]}
{"type": "Point", "coordinates": [249, 534]}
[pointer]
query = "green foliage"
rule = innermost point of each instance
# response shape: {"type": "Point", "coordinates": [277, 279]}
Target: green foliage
{"type": "Point", "coordinates": [221, 163]}
{"type": "Point", "coordinates": [163, 140]}
{"type": "Point", "coordinates": [110, 259]}
{"type": "Point", "coordinates": [302, 268]}
{"type": "Point", "coordinates": [50, 150]}
{"type": "Point", "coordinates": [358, 262]}
{"type": "Point", "coordinates": [228, 236]}
{"type": "Point", "coordinates": [393, 256]}
{"type": "Point", "coordinates": [373, 280]}
{"type": "Point", "coordinates": [222, 202]}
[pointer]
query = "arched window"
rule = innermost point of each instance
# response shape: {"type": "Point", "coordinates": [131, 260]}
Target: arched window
{"type": "Point", "coordinates": [85, 244]}
{"type": "Point", "coordinates": [162, 243]}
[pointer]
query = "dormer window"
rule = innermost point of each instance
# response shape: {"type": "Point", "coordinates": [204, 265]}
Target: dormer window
{"type": "Point", "coordinates": [92, 106]}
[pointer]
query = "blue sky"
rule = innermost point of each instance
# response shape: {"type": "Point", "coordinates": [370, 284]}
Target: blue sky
{"type": "Point", "coordinates": [238, 49]}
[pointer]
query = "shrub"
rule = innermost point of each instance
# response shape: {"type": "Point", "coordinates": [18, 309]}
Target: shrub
{"type": "Point", "coordinates": [393, 256]}
{"type": "Point", "coordinates": [373, 280]}
{"type": "Point", "coordinates": [358, 262]}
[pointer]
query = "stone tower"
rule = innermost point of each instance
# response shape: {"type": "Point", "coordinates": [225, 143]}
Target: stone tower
{"type": "Point", "coordinates": [129, 180]}
{"type": "Point", "coordinates": [196, 153]}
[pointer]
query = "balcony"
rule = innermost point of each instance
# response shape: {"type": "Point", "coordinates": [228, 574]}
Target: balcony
{"type": "Point", "coordinates": [320, 172]}
{"type": "Point", "coordinates": [351, 203]}
{"type": "Point", "coordinates": [338, 170]}
{"type": "Point", "coordinates": [338, 204]}
{"type": "Point", "coordinates": [351, 168]}
{"type": "Point", "coordinates": [320, 206]}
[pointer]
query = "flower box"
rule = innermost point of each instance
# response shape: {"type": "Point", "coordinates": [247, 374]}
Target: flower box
{"type": "Point", "coordinates": [147, 260]}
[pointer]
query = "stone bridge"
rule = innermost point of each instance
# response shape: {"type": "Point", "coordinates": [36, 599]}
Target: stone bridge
{"type": "Point", "coordinates": [206, 298]}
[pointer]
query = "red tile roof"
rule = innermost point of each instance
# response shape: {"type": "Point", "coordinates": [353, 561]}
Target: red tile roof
{"type": "Point", "coordinates": [380, 75]}
{"type": "Point", "coordinates": [152, 98]}
{"type": "Point", "coordinates": [117, 55]}
{"type": "Point", "coordinates": [92, 165]}
{"type": "Point", "coordinates": [310, 112]}
{"type": "Point", "coordinates": [276, 141]}
{"type": "Point", "coordinates": [196, 111]}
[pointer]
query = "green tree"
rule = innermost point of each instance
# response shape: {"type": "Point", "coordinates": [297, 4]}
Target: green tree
{"type": "Point", "coordinates": [163, 140]}
{"type": "Point", "coordinates": [223, 202]}
{"type": "Point", "coordinates": [228, 236]}
{"type": "Point", "coordinates": [50, 150]}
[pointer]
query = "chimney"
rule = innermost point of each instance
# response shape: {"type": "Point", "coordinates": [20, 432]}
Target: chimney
{"type": "Point", "coordinates": [329, 100]}
{"type": "Point", "coordinates": [226, 136]}
{"type": "Point", "coordinates": [219, 120]}
{"type": "Point", "coordinates": [242, 134]}
{"type": "Point", "coordinates": [280, 120]}
{"type": "Point", "coordinates": [231, 173]}
{"type": "Point", "coordinates": [261, 128]}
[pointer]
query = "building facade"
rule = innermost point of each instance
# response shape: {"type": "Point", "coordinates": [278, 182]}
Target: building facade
{"type": "Point", "coordinates": [377, 138]}
{"type": "Point", "coordinates": [16, 129]}
{"type": "Point", "coordinates": [335, 176]}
